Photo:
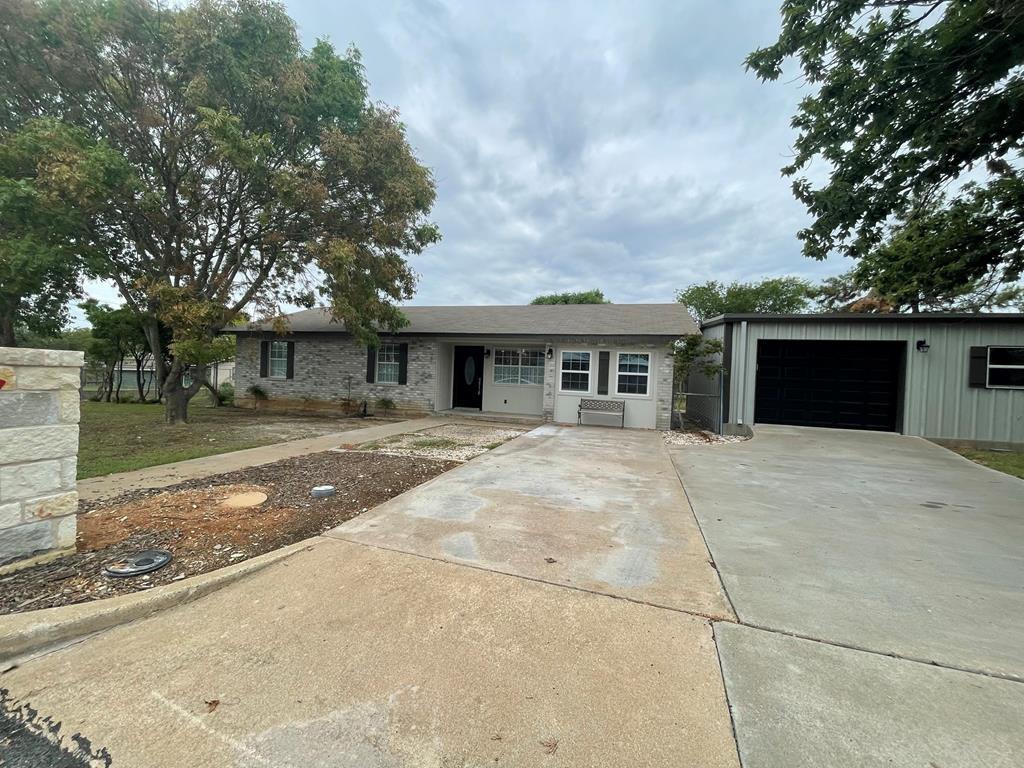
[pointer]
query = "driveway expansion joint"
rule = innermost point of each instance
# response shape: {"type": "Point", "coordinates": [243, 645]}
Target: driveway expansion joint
{"type": "Point", "coordinates": [696, 614]}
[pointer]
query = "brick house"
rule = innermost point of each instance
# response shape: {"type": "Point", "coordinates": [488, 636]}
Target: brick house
{"type": "Point", "coordinates": [535, 360]}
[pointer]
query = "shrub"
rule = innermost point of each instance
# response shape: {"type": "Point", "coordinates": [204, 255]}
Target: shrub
{"type": "Point", "coordinates": [257, 393]}
{"type": "Point", "coordinates": [386, 404]}
{"type": "Point", "coordinates": [226, 393]}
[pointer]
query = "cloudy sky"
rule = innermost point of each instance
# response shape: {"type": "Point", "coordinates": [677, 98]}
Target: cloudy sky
{"type": "Point", "coordinates": [576, 145]}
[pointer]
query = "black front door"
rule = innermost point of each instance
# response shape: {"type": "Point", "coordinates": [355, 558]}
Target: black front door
{"type": "Point", "coordinates": [468, 378]}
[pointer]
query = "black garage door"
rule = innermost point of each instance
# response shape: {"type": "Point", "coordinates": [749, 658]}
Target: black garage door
{"type": "Point", "coordinates": [847, 384]}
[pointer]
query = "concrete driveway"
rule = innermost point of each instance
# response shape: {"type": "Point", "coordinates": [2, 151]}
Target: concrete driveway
{"type": "Point", "coordinates": [591, 508]}
{"type": "Point", "coordinates": [511, 612]}
{"type": "Point", "coordinates": [879, 585]}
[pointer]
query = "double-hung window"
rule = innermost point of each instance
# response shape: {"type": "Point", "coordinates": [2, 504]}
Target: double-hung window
{"type": "Point", "coordinates": [277, 360]}
{"type": "Point", "coordinates": [1006, 367]}
{"type": "Point", "coordinates": [388, 363]}
{"type": "Point", "coordinates": [575, 372]}
{"type": "Point", "coordinates": [633, 373]}
{"type": "Point", "coordinates": [518, 366]}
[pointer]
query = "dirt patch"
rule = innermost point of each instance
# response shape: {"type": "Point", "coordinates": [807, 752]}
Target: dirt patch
{"type": "Point", "coordinates": [193, 521]}
{"type": "Point", "coordinates": [451, 442]}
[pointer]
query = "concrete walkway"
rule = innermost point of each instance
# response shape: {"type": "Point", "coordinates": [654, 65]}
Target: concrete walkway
{"type": "Point", "coordinates": [164, 475]}
{"type": "Point", "coordinates": [882, 579]}
{"type": "Point", "coordinates": [520, 626]}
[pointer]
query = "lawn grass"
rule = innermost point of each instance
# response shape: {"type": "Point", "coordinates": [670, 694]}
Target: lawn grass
{"type": "Point", "coordinates": [118, 437]}
{"type": "Point", "coordinates": [440, 443]}
{"type": "Point", "coordinates": [1010, 462]}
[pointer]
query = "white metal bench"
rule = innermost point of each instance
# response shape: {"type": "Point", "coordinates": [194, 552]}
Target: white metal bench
{"type": "Point", "coordinates": [613, 407]}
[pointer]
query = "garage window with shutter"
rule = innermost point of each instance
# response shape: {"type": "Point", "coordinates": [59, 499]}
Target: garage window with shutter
{"type": "Point", "coordinates": [1005, 368]}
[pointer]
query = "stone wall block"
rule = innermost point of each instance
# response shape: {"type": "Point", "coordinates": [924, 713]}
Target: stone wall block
{"type": "Point", "coordinates": [10, 514]}
{"type": "Point", "coordinates": [21, 481]}
{"type": "Point", "coordinates": [56, 505]}
{"type": "Point", "coordinates": [40, 378]}
{"type": "Point", "coordinates": [23, 444]}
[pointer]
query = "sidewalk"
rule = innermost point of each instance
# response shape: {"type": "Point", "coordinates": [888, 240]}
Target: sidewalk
{"type": "Point", "coordinates": [164, 475]}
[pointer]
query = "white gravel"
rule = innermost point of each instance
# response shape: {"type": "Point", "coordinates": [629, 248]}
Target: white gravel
{"type": "Point", "coordinates": [699, 437]}
{"type": "Point", "coordinates": [454, 442]}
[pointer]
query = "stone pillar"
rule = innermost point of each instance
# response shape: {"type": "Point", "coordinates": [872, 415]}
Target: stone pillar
{"type": "Point", "coordinates": [39, 412]}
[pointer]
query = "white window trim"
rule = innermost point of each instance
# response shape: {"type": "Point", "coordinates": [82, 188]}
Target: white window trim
{"type": "Point", "coordinates": [650, 366]}
{"type": "Point", "coordinates": [519, 382]}
{"type": "Point", "coordinates": [398, 362]}
{"type": "Point", "coordinates": [270, 361]}
{"type": "Point", "coordinates": [590, 371]}
{"type": "Point", "coordinates": [989, 366]}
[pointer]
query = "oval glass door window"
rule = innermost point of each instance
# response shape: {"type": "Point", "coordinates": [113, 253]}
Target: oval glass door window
{"type": "Point", "coordinates": [469, 371]}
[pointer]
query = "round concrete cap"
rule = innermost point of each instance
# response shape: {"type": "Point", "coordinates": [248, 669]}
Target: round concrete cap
{"type": "Point", "coordinates": [321, 491]}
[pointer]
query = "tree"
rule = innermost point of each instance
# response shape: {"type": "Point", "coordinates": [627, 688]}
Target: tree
{"type": "Point", "coordinates": [910, 98]}
{"type": "Point", "coordinates": [594, 296]}
{"type": "Point", "coordinates": [53, 179]}
{"type": "Point", "coordinates": [776, 294]}
{"type": "Point", "coordinates": [262, 172]}
{"type": "Point", "coordinates": [927, 262]}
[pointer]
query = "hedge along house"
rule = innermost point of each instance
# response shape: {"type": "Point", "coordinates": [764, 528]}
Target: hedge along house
{"type": "Point", "coordinates": [534, 361]}
{"type": "Point", "coordinates": [954, 378]}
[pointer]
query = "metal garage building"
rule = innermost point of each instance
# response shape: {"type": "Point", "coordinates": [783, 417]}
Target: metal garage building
{"type": "Point", "coordinates": [947, 377]}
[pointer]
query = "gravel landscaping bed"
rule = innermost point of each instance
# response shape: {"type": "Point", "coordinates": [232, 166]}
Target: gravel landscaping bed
{"type": "Point", "coordinates": [699, 437]}
{"type": "Point", "coordinates": [192, 520]}
{"type": "Point", "coordinates": [451, 442]}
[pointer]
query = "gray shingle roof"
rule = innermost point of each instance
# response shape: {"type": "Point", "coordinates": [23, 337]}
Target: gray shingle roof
{"type": "Point", "coordinates": [667, 320]}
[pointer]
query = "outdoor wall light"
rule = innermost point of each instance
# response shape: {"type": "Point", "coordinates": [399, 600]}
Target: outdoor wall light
{"type": "Point", "coordinates": [551, 353]}
{"type": "Point", "coordinates": [487, 353]}
{"type": "Point", "coordinates": [923, 346]}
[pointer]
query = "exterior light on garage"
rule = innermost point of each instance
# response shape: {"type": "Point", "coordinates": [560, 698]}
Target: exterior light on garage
{"type": "Point", "coordinates": [923, 346]}
{"type": "Point", "coordinates": [487, 352]}
{"type": "Point", "coordinates": [551, 353]}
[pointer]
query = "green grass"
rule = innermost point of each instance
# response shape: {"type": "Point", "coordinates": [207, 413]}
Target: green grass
{"type": "Point", "coordinates": [118, 437]}
{"type": "Point", "coordinates": [492, 446]}
{"type": "Point", "coordinates": [1010, 462]}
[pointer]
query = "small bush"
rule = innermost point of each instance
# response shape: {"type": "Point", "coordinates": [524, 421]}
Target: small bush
{"type": "Point", "coordinates": [226, 393]}
{"type": "Point", "coordinates": [257, 393]}
{"type": "Point", "coordinates": [385, 404]}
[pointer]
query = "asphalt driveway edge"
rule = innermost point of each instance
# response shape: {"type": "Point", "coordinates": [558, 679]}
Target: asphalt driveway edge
{"type": "Point", "coordinates": [31, 632]}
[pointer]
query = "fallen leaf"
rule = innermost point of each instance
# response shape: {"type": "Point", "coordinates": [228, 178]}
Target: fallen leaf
{"type": "Point", "coordinates": [550, 560]}
{"type": "Point", "coordinates": [550, 746]}
{"type": "Point", "coordinates": [212, 704]}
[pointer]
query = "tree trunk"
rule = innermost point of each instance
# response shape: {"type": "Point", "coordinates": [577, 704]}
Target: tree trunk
{"type": "Point", "coordinates": [140, 362]}
{"type": "Point", "coordinates": [120, 378]}
{"type": "Point", "coordinates": [176, 407]}
{"type": "Point", "coordinates": [7, 332]}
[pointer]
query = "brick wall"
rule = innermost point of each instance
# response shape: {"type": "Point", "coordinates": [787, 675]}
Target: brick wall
{"type": "Point", "coordinates": [323, 365]}
{"type": "Point", "coordinates": [39, 411]}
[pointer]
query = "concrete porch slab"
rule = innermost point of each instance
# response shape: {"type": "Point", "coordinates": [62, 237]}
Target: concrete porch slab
{"type": "Point", "coordinates": [589, 507]}
{"type": "Point", "coordinates": [350, 656]}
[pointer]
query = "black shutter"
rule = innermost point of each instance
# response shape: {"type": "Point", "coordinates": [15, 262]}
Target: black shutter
{"type": "Point", "coordinates": [290, 373]}
{"type": "Point", "coordinates": [264, 358]}
{"type": "Point", "coordinates": [603, 359]}
{"type": "Point", "coordinates": [371, 365]}
{"type": "Point", "coordinates": [403, 363]}
{"type": "Point", "coordinates": [977, 375]}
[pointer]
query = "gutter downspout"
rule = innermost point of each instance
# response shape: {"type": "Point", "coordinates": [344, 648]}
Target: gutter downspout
{"type": "Point", "coordinates": [741, 410]}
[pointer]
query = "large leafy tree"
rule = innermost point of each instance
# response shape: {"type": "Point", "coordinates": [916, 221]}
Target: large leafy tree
{"type": "Point", "coordinates": [262, 171]}
{"type": "Point", "coordinates": [910, 100]}
{"type": "Point", "coordinates": [775, 294]}
{"type": "Point", "coordinates": [53, 180]}
{"type": "Point", "coordinates": [595, 296]}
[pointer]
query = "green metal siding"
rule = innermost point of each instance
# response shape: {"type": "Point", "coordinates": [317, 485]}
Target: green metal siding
{"type": "Point", "coordinates": [937, 400]}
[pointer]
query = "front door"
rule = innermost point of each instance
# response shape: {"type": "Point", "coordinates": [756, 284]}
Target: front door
{"type": "Point", "coordinates": [468, 378]}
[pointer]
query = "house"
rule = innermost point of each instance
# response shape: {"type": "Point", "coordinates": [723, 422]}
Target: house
{"type": "Point", "coordinates": [536, 360]}
{"type": "Point", "coordinates": [953, 378]}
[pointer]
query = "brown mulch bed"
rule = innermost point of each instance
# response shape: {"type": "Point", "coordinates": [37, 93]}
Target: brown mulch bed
{"type": "Point", "coordinates": [191, 521]}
